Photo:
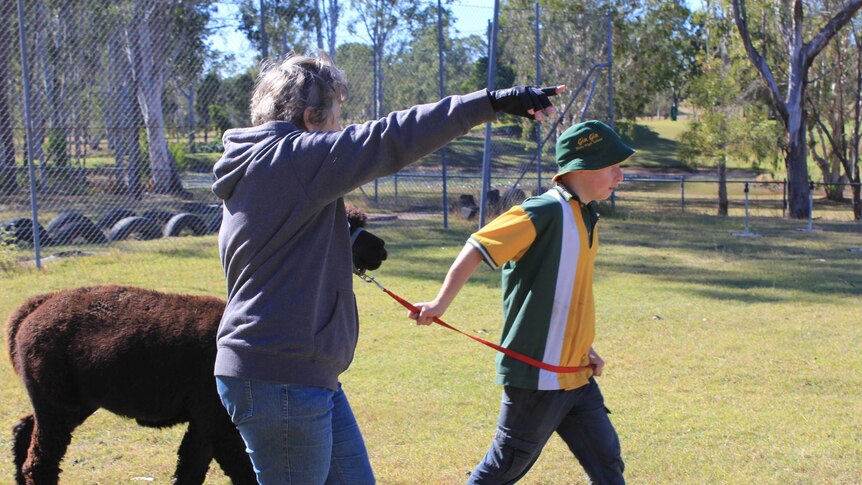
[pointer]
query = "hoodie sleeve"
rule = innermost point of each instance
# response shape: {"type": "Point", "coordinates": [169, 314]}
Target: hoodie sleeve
{"type": "Point", "coordinates": [332, 164]}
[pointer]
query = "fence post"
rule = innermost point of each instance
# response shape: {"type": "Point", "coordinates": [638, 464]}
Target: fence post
{"type": "Point", "coordinates": [25, 72]}
{"type": "Point", "coordinates": [610, 70]}
{"type": "Point", "coordinates": [784, 199]}
{"type": "Point", "coordinates": [486, 158]}
{"type": "Point", "coordinates": [747, 233]}
{"type": "Point", "coordinates": [538, 123]}
{"type": "Point", "coordinates": [441, 67]}
{"type": "Point", "coordinates": [682, 191]}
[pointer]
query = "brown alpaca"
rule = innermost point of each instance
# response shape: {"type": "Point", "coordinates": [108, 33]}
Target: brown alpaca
{"type": "Point", "coordinates": [138, 353]}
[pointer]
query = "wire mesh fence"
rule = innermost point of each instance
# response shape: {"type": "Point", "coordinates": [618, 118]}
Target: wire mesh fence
{"type": "Point", "coordinates": [111, 112]}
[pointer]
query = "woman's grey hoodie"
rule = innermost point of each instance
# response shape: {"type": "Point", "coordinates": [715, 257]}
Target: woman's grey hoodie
{"type": "Point", "coordinates": [284, 242]}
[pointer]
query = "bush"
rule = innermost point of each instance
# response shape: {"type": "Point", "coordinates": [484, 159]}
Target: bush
{"type": "Point", "coordinates": [178, 152]}
{"type": "Point", "coordinates": [8, 252]}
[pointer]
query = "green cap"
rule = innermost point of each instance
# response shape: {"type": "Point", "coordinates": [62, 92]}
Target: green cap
{"type": "Point", "coordinates": [591, 145]}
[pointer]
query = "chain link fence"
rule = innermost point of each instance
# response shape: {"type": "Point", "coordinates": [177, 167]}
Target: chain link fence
{"type": "Point", "coordinates": [123, 104]}
{"type": "Point", "coordinates": [120, 106]}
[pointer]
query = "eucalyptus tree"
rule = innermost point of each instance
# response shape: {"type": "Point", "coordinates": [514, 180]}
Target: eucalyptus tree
{"type": "Point", "coordinates": [731, 122]}
{"type": "Point", "coordinates": [834, 111]}
{"type": "Point", "coordinates": [157, 35]}
{"type": "Point", "coordinates": [789, 99]}
{"type": "Point", "coordinates": [655, 44]}
{"type": "Point", "coordinates": [382, 21]}
{"type": "Point", "coordinates": [414, 67]}
{"type": "Point", "coordinates": [8, 183]}
{"type": "Point", "coordinates": [278, 27]}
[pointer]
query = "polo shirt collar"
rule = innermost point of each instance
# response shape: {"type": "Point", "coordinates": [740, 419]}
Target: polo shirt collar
{"type": "Point", "coordinates": [567, 194]}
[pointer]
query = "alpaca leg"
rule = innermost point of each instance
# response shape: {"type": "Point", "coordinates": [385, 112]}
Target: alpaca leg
{"type": "Point", "coordinates": [21, 434]}
{"type": "Point", "coordinates": [195, 455]}
{"type": "Point", "coordinates": [229, 450]}
{"type": "Point", "coordinates": [52, 434]}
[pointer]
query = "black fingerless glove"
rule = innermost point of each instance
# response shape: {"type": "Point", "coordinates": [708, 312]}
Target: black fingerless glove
{"type": "Point", "coordinates": [518, 100]}
{"type": "Point", "coordinates": [368, 250]}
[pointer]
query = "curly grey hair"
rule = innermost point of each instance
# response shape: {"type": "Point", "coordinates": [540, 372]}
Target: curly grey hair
{"type": "Point", "coordinates": [285, 88]}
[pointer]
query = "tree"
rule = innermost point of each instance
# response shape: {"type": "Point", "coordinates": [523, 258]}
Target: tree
{"type": "Point", "coordinates": [839, 93]}
{"type": "Point", "coordinates": [277, 27]}
{"type": "Point", "coordinates": [382, 19]}
{"type": "Point", "coordinates": [791, 104]}
{"type": "Point", "coordinates": [152, 62]}
{"type": "Point", "coordinates": [326, 24]}
{"type": "Point", "coordinates": [654, 49]}
{"type": "Point", "coordinates": [8, 183]}
{"type": "Point", "coordinates": [208, 92]}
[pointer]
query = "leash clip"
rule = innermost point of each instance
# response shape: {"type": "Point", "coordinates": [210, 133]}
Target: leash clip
{"type": "Point", "coordinates": [367, 278]}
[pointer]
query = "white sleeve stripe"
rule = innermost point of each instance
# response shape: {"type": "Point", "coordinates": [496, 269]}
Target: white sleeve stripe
{"type": "Point", "coordinates": [487, 257]}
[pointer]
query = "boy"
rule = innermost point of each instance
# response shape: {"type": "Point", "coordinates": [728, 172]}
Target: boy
{"type": "Point", "coordinates": [547, 247]}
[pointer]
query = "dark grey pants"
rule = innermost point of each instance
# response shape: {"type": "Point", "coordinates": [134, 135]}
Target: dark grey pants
{"type": "Point", "coordinates": [527, 420]}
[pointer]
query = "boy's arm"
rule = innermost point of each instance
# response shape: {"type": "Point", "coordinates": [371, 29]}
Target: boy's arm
{"type": "Point", "coordinates": [463, 267]}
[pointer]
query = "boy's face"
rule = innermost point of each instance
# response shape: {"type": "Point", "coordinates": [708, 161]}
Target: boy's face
{"type": "Point", "coordinates": [593, 185]}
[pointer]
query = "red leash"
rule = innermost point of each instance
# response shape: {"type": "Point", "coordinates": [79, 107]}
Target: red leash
{"type": "Point", "coordinates": [511, 353]}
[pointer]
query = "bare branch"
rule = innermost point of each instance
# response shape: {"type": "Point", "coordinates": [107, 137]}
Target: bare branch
{"type": "Point", "coordinates": [829, 30]}
{"type": "Point", "coordinates": [741, 18]}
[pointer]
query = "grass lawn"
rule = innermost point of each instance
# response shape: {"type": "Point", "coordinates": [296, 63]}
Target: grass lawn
{"type": "Point", "coordinates": [729, 360]}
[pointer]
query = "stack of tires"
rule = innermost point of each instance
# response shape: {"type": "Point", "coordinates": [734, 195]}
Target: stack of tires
{"type": "Point", "coordinates": [73, 227]}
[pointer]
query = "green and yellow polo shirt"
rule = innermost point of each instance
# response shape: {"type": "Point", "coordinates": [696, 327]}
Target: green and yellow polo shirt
{"type": "Point", "coordinates": [547, 248]}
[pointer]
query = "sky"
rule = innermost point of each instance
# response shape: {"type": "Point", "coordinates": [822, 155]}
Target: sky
{"type": "Point", "coordinates": [472, 17]}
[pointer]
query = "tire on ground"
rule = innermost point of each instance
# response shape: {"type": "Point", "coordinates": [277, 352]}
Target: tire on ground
{"type": "Point", "coordinates": [110, 218]}
{"type": "Point", "coordinates": [19, 231]}
{"type": "Point", "coordinates": [140, 227]}
{"type": "Point", "coordinates": [84, 230]}
{"type": "Point", "coordinates": [63, 218]}
{"type": "Point", "coordinates": [160, 216]}
{"type": "Point", "coordinates": [181, 224]}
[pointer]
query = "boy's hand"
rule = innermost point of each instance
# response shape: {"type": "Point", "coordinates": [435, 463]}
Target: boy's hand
{"type": "Point", "coordinates": [527, 101]}
{"type": "Point", "coordinates": [597, 361]}
{"type": "Point", "coordinates": [427, 312]}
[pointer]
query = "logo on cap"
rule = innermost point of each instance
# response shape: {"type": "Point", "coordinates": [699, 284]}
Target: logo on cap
{"type": "Point", "coordinates": [588, 141]}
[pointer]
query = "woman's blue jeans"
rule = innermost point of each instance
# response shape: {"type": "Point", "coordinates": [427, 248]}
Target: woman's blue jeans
{"type": "Point", "coordinates": [296, 434]}
{"type": "Point", "coordinates": [527, 420]}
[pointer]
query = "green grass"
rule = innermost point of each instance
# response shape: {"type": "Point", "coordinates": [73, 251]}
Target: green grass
{"type": "Point", "coordinates": [729, 360]}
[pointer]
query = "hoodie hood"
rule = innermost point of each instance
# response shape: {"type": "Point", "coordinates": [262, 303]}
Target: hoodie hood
{"type": "Point", "coordinates": [243, 147]}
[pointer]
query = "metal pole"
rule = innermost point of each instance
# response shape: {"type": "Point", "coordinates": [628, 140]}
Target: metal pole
{"type": "Point", "coordinates": [810, 205]}
{"type": "Point", "coordinates": [25, 72]}
{"type": "Point", "coordinates": [682, 191]}
{"type": "Point", "coordinates": [442, 84]}
{"type": "Point", "coordinates": [610, 70]}
{"type": "Point", "coordinates": [746, 207]}
{"type": "Point", "coordinates": [538, 123]}
{"type": "Point", "coordinates": [486, 158]}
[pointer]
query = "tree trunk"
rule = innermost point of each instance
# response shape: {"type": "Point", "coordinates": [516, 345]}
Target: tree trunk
{"type": "Point", "coordinates": [722, 187]}
{"type": "Point", "coordinates": [857, 201]}
{"type": "Point", "coordinates": [190, 97]}
{"type": "Point", "coordinates": [796, 162]}
{"type": "Point", "coordinates": [122, 119]}
{"type": "Point", "coordinates": [147, 66]}
{"type": "Point", "coordinates": [8, 180]}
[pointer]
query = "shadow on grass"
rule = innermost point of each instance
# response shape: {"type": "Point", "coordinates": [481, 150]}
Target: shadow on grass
{"type": "Point", "coordinates": [703, 255]}
{"type": "Point", "coordinates": [653, 150]}
{"type": "Point", "coordinates": [696, 252]}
